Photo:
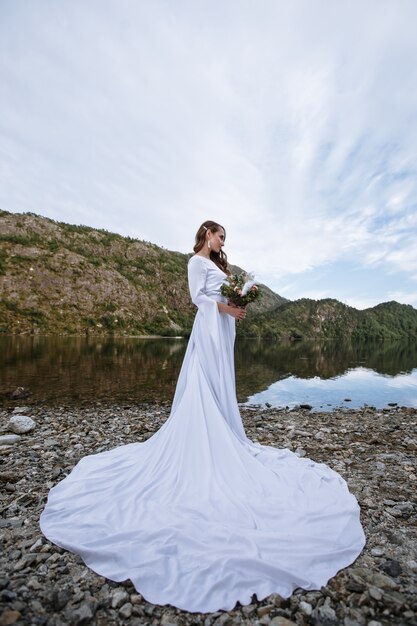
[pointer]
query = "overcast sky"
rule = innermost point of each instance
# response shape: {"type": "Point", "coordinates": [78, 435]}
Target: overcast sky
{"type": "Point", "coordinates": [293, 123]}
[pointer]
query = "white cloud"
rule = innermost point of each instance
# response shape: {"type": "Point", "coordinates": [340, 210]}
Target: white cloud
{"type": "Point", "coordinates": [293, 124]}
{"type": "Point", "coordinates": [404, 297]}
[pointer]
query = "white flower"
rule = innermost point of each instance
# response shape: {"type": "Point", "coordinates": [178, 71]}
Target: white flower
{"type": "Point", "coordinates": [249, 282]}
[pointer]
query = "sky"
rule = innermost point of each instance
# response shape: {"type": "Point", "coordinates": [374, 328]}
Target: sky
{"type": "Point", "coordinates": [291, 123]}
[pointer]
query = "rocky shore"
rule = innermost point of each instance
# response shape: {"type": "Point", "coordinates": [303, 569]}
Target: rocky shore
{"type": "Point", "coordinates": [375, 451]}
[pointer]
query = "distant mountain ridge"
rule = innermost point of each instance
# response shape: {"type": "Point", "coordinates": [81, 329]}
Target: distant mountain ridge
{"type": "Point", "coordinates": [331, 319]}
{"type": "Point", "coordinates": [59, 278]}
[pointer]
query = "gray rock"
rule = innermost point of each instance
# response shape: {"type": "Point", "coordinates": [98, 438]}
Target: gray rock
{"type": "Point", "coordinates": [8, 596]}
{"type": "Point", "coordinates": [265, 609]}
{"type": "Point", "coordinates": [21, 424]}
{"type": "Point", "coordinates": [412, 565]}
{"type": "Point", "coordinates": [348, 621]}
{"type": "Point", "coordinates": [373, 577]}
{"type": "Point", "coordinates": [276, 599]}
{"type": "Point", "coordinates": [409, 615]}
{"type": "Point", "coordinates": [33, 583]}
{"type": "Point", "coordinates": [248, 609]}
{"type": "Point", "coordinates": [15, 554]}
{"type": "Point", "coordinates": [119, 597]}
{"type": "Point", "coordinates": [38, 544]}
{"type": "Point", "coordinates": [305, 608]}
{"type": "Point", "coordinates": [375, 593]}
{"type": "Point", "coordinates": [19, 393]}
{"type": "Point", "coordinates": [168, 619]}
{"type": "Point", "coordinates": [125, 611]}
{"type": "Point", "coordinates": [136, 598]}
{"type": "Point", "coordinates": [300, 452]}
{"type": "Point", "coordinates": [10, 616]}
{"type": "Point", "coordinates": [223, 620]}
{"type": "Point", "coordinates": [391, 567]}
{"type": "Point", "coordinates": [36, 606]}
{"type": "Point", "coordinates": [7, 440]}
{"type": "Point", "coordinates": [279, 620]}
{"type": "Point", "coordinates": [324, 616]}
{"type": "Point", "coordinates": [50, 443]}
{"type": "Point", "coordinates": [394, 598]}
{"type": "Point", "coordinates": [58, 599]}
{"type": "Point", "coordinates": [83, 615]}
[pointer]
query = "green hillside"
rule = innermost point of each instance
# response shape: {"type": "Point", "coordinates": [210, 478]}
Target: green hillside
{"type": "Point", "coordinates": [61, 278]}
{"type": "Point", "coordinates": [331, 319]}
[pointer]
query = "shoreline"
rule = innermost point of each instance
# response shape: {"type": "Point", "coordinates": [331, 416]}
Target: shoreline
{"type": "Point", "coordinates": [375, 451]}
{"type": "Point", "coordinates": [93, 335]}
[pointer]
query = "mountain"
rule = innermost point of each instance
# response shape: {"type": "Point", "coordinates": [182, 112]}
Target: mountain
{"type": "Point", "coordinates": [65, 279]}
{"type": "Point", "coordinates": [328, 319]}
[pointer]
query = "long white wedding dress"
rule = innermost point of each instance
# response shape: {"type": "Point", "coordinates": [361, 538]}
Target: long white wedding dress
{"type": "Point", "coordinates": [198, 516]}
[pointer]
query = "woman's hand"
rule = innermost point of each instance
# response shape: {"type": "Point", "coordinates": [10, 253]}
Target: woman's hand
{"type": "Point", "coordinates": [237, 312]}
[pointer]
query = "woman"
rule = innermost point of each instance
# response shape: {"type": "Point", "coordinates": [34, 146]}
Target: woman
{"type": "Point", "coordinates": [198, 516]}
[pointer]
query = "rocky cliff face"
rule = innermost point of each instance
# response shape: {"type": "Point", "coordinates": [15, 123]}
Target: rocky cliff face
{"type": "Point", "coordinates": [61, 278]}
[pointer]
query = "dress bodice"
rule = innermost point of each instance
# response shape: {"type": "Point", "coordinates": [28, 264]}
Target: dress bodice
{"type": "Point", "coordinates": [205, 280]}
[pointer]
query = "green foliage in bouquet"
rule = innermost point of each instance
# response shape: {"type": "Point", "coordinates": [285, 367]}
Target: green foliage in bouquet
{"type": "Point", "coordinates": [240, 289]}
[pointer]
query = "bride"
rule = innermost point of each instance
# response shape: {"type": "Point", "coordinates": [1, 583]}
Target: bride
{"type": "Point", "coordinates": [199, 516]}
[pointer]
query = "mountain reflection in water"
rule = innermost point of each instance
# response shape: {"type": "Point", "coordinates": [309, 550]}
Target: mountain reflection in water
{"type": "Point", "coordinates": [132, 370]}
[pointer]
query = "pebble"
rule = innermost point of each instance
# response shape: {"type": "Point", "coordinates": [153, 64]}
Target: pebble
{"type": "Point", "coordinates": [21, 424]}
{"type": "Point", "coordinates": [168, 619]}
{"type": "Point", "coordinates": [281, 621]}
{"type": "Point", "coordinates": [119, 597]}
{"type": "Point", "coordinates": [6, 440]}
{"type": "Point", "coordinates": [375, 593]}
{"type": "Point", "coordinates": [305, 608]}
{"type": "Point", "coordinates": [265, 609]}
{"type": "Point", "coordinates": [21, 409]}
{"type": "Point", "coordinates": [392, 567]}
{"type": "Point", "coordinates": [136, 598]}
{"type": "Point", "coordinates": [374, 451]}
{"type": "Point", "coordinates": [7, 618]}
{"type": "Point", "coordinates": [83, 614]}
{"type": "Point", "coordinates": [126, 610]}
{"type": "Point", "coordinates": [324, 616]}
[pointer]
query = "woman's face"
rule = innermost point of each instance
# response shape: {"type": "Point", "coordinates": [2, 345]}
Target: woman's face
{"type": "Point", "coordinates": [217, 239]}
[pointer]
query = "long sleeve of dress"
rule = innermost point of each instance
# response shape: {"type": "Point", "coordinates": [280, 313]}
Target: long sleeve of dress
{"type": "Point", "coordinates": [211, 331]}
{"type": "Point", "coordinates": [197, 274]}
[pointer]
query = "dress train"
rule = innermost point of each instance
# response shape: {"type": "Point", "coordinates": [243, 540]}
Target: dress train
{"type": "Point", "coordinates": [198, 516]}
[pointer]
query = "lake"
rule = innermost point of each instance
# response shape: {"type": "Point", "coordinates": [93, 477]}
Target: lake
{"type": "Point", "coordinates": [326, 375]}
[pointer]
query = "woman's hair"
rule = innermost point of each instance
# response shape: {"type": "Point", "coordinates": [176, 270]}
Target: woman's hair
{"type": "Point", "coordinates": [219, 258]}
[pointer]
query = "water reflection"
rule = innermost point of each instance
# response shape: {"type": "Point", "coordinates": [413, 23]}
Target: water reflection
{"type": "Point", "coordinates": [58, 369]}
{"type": "Point", "coordinates": [128, 370]}
{"type": "Point", "coordinates": [354, 389]}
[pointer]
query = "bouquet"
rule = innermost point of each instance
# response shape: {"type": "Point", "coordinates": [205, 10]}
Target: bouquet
{"type": "Point", "coordinates": [240, 289]}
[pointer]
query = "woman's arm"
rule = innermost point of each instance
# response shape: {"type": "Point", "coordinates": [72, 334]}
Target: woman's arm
{"type": "Point", "coordinates": [197, 272]}
{"type": "Point", "coordinates": [234, 311]}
